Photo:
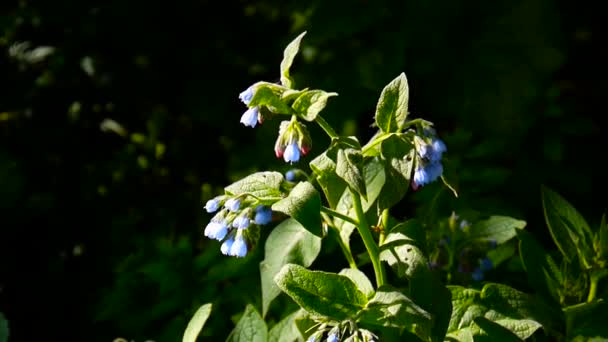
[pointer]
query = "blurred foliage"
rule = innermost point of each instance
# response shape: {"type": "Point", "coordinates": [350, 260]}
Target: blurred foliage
{"type": "Point", "coordinates": [119, 119]}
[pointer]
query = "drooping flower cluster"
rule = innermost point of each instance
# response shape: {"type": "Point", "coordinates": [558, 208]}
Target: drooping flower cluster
{"type": "Point", "coordinates": [428, 167]}
{"type": "Point", "coordinates": [231, 224]}
{"type": "Point", "coordinates": [251, 117]}
{"type": "Point", "coordinates": [293, 141]}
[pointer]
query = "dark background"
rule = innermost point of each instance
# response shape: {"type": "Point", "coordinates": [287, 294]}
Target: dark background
{"type": "Point", "coordinates": [101, 233]}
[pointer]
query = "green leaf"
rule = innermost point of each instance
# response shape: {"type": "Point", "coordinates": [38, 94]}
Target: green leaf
{"type": "Point", "coordinates": [196, 323]}
{"type": "Point", "coordinates": [311, 103]}
{"type": "Point", "coordinates": [544, 278]}
{"type": "Point", "coordinates": [262, 185]}
{"type": "Point", "coordinates": [324, 167]}
{"type": "Point", "coordinates": [250, 328]}
{"type": "Point", "coordinates": [516, 311]}
{"type": "Point", "coordinates": [286, 330]}
{"type": "Point", "coordinates": [348, 168]}
{"type": "Point", "coordinates": [498, 228]}
{"type": "Point", "coordinates": [360, 279]}
{"type": "Point", "coordinates": [390, 308]}
{"type": "Point", "coordinates": [4, 330]}
{"type": "Point", "coordinates": [304, 205]}
{"type": "Point", "coordinates": [603, 239]}
{"type": "Point", "coordinates": [321, 293]}
{"type": "Point", "coordinates": [492, 331]}
{"type": "Point", "coordinates": [401, 252]}
{"type": "Point", "coordinates": [569, 230]}
{"type": "Point", "coordinates": [270, 95]}
{"type": "Point", "coordinates": [587, 319]}
{"type": "Point", "coordinates": [374, 178]}
{"type": "Point", "coordinates": [288, 56]}
{"type": "Point", "coordinates": [398, 157]}
{"type": "Point", "coordinates": [289, 242]}
{"type": "Point", "coordinates": [501, 253]}
{"type": "Point", "coordinates": [391, 110]}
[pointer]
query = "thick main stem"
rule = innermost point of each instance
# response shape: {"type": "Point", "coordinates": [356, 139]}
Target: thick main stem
{"type": "Point", "coordinates": [366, 234]}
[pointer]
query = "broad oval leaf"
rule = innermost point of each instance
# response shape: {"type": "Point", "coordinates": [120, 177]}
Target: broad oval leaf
{"type": "Point", "coordinates": [324, 167]}
{"type": "Point", "coordinates": [392, 107]}
{"type": "Point", "coordinates": [196, 323]}
{"type": "Point", "coordinates": [304, 205]}
{"type": "Point", "coordinates": [263, 185]}
{"type": "Point", "coordinates": [348, 167]}
{"type": "Point", "coordinates": [311, 103]}
{"type": "Point", "coordinates": [288, 243]}
{"type": "Point", "coordinates": [360, 279]}
{"type": "Point", "coordinates": [288, 56]}
{"type": "Point", "coordinates": [498, 228]}
{"type": "Point", "coordinates": [398, 157]}
{"type": "Point", "coordinates": [250, 328]}
{"type": "Point", "coordinates": [321, 293]}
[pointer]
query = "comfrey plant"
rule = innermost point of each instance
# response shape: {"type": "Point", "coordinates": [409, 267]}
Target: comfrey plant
{"type": "Point", "coordinates": [351, 188]}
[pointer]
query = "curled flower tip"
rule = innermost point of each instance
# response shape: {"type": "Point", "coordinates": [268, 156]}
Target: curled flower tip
{"type": "Point", "coordinates": [225, 248]}
{"type": "Point", "coordinates": [233, 204]}
{"type": "Point", "coordinates": [290, 175]}
{"type": "Point", "coordinates": [216, 230]}
{"type": "Point", "coordinates": [239, 247]}
{"type": "Point", "coordinates": [241, 222]}
{"type": "Point", "coordinates": [486, 264]}
{"type": "Point", "coordinates": [263, 216]}
{"type": "Point", "coordinates": [250, 117]}
{"type": "Point", "coordinates": [332, 338]}
{"type": "Point", "coordinates": [292, 153]}
{"type": "Point", "coordinates": [434, 170]}
{"type": "Point", "coordinates": [421, 177]}
{"type": "Point", "coordinates": [477, 274]}
{"type": "Point", "coordinates": [212, 205]}
{"type": "Point", "coordinates": [246, 95]}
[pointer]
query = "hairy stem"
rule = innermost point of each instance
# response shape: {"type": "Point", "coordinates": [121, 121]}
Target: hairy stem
{"type": "Point", "coordinates": [326, 127]}
{"type": "Point", "coordinates": [339, 215]}
{"type": "Point", "coordinates": [368, 240]}
{"type": "Point", "coordinates": [345, 249]}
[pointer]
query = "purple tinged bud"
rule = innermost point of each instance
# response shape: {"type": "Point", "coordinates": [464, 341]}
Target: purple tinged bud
{"type": "Point", "coordinates": [246, 95]}
{"type": "Point", "coordinates": [232, 204]}
{"type": "Point", "coordinates": [216, 230]}
{"type": "Point", "coordinates": [225, 248]}
{"type": "Point", "coordinates": [486, 264]}
{"type": "Point", "coordinates": [241, 222]}
{"type": "Point", "coordinates": [212, 205]}
{"type": "Point", "coordinates": [250, 117]}
{"type": "Point", "coordinates": [263, 216]}
{"type": "Point", "coordinates": [239, 247]}
{"type": "Point", "coordinates": [477, 274]}
{"type": "Point", "coordinates": [292, 153]}
{"type": "Point", "coordinates": [290, 175]}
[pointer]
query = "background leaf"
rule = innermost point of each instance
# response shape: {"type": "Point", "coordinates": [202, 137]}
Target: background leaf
{"type": "Point", "coordinates": [303, 204]}
{"type": "Point", "coordinates": [544, 278]}
{"type": "Point", "coordinates": [392, 107]}
{"type": "Point", "coordinates": [321, 293]}
{"type": "Point", "coordinates": [288, 243]}
{"type": "Point", "coordinates": [196, 323]}
{"type": "Point", "coordinates": [498, 228]}
{"type": "Point", "coordinates": [250, 328]}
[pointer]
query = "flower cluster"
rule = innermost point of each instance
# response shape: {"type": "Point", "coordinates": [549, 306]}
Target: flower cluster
{"type": "Point", "coordinates": [340, 333]}
{"type": "Point", "coordinates": [429, 167]}
{"type": "Point", "coordinates": [252, 116]}
{"type": "Point", "coordinates": [231, 223]}
{"type": "Point", "coordinates": [293, 141]}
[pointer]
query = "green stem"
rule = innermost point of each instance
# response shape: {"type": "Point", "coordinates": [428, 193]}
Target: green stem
{"type": "Point", "coordinates": [592, 290]}
{"type": "Point", "coordinates": [375, 142]}
{"type": "Point", "coordinates": [339, 215]}
{"type": "Point", "coordinates": [368, 240]}
{"type": "Point", "coordinates": [326, 127]}
{"type": "Point", "coordinates": [345, 249]}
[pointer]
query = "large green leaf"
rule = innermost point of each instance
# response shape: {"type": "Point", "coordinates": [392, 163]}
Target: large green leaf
{"type": "Point", "coordinates": [250, 328]}
{"type": "Point", "coordinates": [311, 103]}
{"type": "Point", "coordinates": [360, 279]}
{"type": "Point", "coordinates": [286, 329]}
{"type": "Point", "coordinates": [288, 243]}
{"type": "Point", "coordinates": [392, 107]}
{"type": "Point", "coordinates": [321, 293]}
{"type": "Point", "coordinates": [288, 56]}
{"type": "Point", "coordinates": [543, 277]}
{"type": "Point", "coordinates": [400, 250]}
{"type": "Point", "coordinates": [520, 313]}
{"type": "Point", "coordinates": [391, 308]}
{"type": "Point", "coordinates": [348, 167]}
{"type": "Point", "coordinates": [303, 204]}
{"type": "Point", "coordinates": [196, 323]}
{"type": "Point", "coordinates": [497, 228]}
{"type": "Point", "coordinates": [324, 167]}
{"type": "Point", "coordinates": [263, 185]}
{"type": "Point", "coordinates": [398, 158]}
{"type": "Point", "coordinates": [569, 230]}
